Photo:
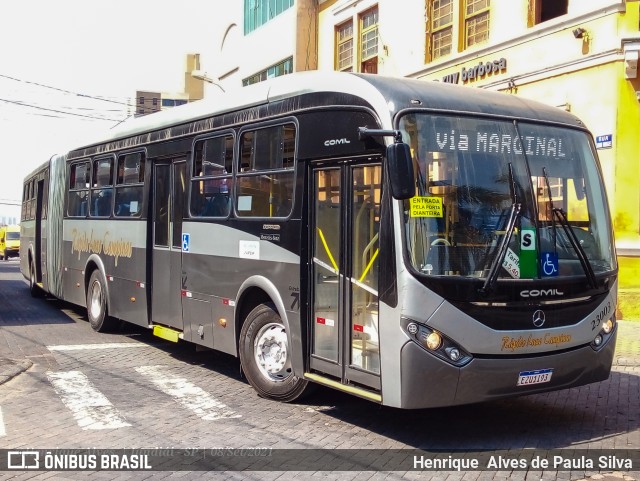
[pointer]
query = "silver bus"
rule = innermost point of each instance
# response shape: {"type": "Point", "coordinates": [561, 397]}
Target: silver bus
{"type": "Point", "coordinates": [413, 243]}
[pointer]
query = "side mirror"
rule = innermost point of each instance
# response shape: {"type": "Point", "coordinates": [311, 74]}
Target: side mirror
{"type": "Point", "coordinates": [401, 173]}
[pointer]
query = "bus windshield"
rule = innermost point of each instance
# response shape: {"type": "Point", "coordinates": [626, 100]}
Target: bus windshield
{"type": "Point", "coordinates": [519, 199]}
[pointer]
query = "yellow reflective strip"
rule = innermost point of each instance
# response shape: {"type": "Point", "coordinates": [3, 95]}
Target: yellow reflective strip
{"type": "Point", "coordinates": [326, 248]}
{"type": "Point", "coordinates": [166, 333]}
{"type": "Point", "coordinates": [373, 258]}
{"type": "Point", "coordinates": [342, 387]}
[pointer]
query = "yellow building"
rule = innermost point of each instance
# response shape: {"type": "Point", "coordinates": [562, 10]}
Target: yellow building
{"type": "Point", "coordinates": [578, 55]}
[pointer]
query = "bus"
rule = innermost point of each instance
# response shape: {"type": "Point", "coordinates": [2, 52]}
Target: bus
{"type": "Point", "coordinates": [413, 243]}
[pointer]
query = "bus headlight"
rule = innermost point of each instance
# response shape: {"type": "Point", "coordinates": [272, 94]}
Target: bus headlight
{"type": "Point", "coordinates": [436, 343]}
{"type": "Point", "coordinates": [454, 354]}
{"type": "Point", "coordinates": [606, 331]}
{"type": "Point", "coordinates": [433, 341]}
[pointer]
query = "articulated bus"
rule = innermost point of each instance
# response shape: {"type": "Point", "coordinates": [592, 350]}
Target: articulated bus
{"type": "Point", "coordinates": [417, 244]}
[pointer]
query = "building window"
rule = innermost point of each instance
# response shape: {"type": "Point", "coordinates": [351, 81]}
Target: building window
{"type": "Point", "coordinates": [369, 41]}
{"type": "Point", "coordinates": [173, 102]}
{"type": "Point", "coordinates": [259, 12]}
{"type": "Point", "coordinates": [476, 22]}
{"type": "Point", "coordinates": [543, 10]}
{"type": "Point", "coordinates": [283, 68]}
{"type": "Point", "coordinates": [141, 101]}
{"type": "Point", "coordinates": [155, 101]}
{"type": "Point", "coordinates": [440, 28]}
{"type": "Point", "coordinates": [344, 47]}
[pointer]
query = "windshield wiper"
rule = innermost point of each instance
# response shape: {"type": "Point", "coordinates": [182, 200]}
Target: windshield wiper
{"type": "Point", "coordinates": [564, 222]}
{"type": "Point", "coordinates": [492, 277]}
{"type": "Point", "coordinates": [553, 217]}
{"type": "Point", "coordinates": [582, 255]}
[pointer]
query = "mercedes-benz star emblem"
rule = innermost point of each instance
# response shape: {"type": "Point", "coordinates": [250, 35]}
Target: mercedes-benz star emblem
{"type": "Point", "coordinates": [538, 318]}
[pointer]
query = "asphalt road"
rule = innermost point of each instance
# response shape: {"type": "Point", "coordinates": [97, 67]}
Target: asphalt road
{"type": "Point", "coordinates": [129, 389]}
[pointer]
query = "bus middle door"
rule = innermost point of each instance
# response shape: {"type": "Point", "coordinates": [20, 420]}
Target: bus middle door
{"type": "Point", "coordinates": [168, 208]}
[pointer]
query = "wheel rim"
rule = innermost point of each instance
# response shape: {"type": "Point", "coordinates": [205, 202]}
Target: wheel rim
{"type": "Point", "coordinates": [271, 354]}
{"type": "Point", "coordinates": [95, 300]}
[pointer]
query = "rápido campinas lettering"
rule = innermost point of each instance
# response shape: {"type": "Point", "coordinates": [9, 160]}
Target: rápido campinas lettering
{"type": "Point", "coordinates": [514, 343]}
{"type": "Point", "coordinates": [107, 245]}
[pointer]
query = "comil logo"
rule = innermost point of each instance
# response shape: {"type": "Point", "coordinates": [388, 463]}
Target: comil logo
{"type": "Point", "coordinates": [331, 142]}
{"type": "Point", "coordinates": [23, 460]}
{"type": "Point", "coordinates": [541, 293]}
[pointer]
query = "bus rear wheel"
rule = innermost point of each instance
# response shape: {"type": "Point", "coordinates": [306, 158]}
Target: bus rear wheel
{"type": "Point", "coordinates": [97, 304]}
{"type": "Point", "coordinates": [34, 289]}
{"type": "Point", "coordinates": [265, 356]}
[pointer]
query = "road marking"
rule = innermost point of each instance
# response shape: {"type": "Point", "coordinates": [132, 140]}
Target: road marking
{"type": "Point", "coordinates": [89, 406]}
{"type": "Point", "coordinates": [3, 431]}
{"type": "Point", "coordinates": [189, 395]}
{"type": "Point", "coordinates": [105, 345]}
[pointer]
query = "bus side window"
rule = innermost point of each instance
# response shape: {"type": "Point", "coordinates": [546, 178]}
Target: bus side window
{"type": "Point", "coordinates": [129, 185]}
{"type": "Point", "coordinates": [265, 181]}
{"type": "Point", "coordinates": [78, 198]}
{"type": "Point", "coordinates": [102, 188]}
{"type": "Point", "coordinates": [211, 179]}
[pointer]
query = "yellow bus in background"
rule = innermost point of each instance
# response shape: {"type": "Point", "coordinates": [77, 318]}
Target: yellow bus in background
{"type": "Point", "coordinates": [9, 241]}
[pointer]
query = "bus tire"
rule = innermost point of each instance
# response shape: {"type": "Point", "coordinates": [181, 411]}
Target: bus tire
{"type": "Point", "coordinates": [34, 289]}
{"type": "Point", "coordinates": [265, 356]}
{"type": "Point", "coordinates": [97, 304]}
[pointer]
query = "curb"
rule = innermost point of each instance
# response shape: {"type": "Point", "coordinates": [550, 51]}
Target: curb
{"type": "Point", "coordinates": [10, 368]}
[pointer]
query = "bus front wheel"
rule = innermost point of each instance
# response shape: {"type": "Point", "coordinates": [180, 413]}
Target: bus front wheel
{"type": "Point", "coordinates": [97, 304]}
{"type": "Point", "coordinates": [265, 356]}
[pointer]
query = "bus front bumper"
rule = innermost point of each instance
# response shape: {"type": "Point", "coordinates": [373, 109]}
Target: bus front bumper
{"type": "Point", "coordinates": [430, 382]}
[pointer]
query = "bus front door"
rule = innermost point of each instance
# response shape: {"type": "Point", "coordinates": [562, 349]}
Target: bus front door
{"type": "Point", "coordinates": [345, 219]}
{"type": "Point", "coordinates": [168, 208]}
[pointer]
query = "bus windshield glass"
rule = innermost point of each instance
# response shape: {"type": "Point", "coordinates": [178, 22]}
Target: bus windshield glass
{"type": "Point", "coordinates": [521, 200]}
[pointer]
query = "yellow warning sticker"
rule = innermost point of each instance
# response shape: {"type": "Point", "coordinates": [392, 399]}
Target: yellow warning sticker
{"type": "Point", "coordinates": [426, 207]}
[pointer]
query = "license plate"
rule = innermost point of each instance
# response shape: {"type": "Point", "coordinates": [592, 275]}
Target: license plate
{"type": "Point", "coordinates": [526, 378]}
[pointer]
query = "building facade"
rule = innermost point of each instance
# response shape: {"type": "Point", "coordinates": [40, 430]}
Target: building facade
{"type": "Point", "coordinates": [148, 102]}
{"type": "Point", "coordinates": [578, 55]}
{"type": "Point", "coordinates": [261, 39]}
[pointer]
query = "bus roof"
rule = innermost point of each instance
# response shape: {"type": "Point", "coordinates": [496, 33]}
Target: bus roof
{"type": "Point", "coordinates": [384, 94]}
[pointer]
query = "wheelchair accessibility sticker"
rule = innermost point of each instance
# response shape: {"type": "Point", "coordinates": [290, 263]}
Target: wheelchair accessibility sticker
{"type": "Point", "coordinates": [549, 261]}
{"type": "Point", "coordinates": [185, 242]}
